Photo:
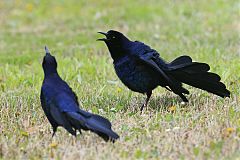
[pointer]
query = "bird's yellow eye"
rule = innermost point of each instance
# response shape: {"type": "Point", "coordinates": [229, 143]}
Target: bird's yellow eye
{"type": "Point", "coordinates": [113, 37]}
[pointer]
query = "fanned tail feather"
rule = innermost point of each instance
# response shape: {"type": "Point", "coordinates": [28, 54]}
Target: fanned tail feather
{"type": "Point", "coordinates": [197, 75]}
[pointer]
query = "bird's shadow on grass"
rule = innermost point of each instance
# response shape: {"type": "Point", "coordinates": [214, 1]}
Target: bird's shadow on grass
{"type": "Point", "coordinates": [156, 103]}
{"type": "Point", "coordinates": [164, 102]}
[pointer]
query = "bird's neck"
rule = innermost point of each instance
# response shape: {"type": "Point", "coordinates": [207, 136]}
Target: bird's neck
{"type": "Point", "coordinates": [50, 72]}
{"type": "Point", "coordinates": [119, 51]}
{"type": "Point", "coordinates": [117, 54]}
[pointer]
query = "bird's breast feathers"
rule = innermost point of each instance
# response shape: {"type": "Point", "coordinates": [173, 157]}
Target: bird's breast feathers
{"type": "Point", "coordinates": [136, 76]}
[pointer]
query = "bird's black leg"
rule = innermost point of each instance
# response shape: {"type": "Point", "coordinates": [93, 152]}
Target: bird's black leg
{"type": "Point", "coordinates": [54, 131]}
{"type": "Point", "coordinates": [146, 102]}
{"type": "Point", "coordinates": [80, 131]}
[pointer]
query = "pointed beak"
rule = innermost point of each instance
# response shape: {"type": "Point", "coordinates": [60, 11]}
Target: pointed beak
{"type": "Point", "coordinates": [47, 51]}
{"type": "Point", "coordinates": [105, 34]}
{"type": "Point", "coordinates": [103, 39]}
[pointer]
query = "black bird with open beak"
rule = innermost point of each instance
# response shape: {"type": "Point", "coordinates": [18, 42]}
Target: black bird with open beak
{"type": "Point", "coordinates": [141, 69]}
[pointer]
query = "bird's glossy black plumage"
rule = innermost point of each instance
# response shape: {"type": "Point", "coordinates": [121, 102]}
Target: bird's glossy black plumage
{"type": "Point", "coordinates": [141, 69]}
{"type": "Point", "coordinates": [60, 104]}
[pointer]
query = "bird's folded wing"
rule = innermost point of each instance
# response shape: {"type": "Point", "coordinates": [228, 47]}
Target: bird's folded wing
{"type": "Point", "coordinates": [148, 60]}
{"type": "Point", "coordinates": [66, 102]}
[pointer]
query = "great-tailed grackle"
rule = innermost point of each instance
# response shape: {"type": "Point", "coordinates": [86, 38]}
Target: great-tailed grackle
{"type": "Point", "coordinates": [61, 106]}
{"type": "Point", "coordinates": [141, 69]}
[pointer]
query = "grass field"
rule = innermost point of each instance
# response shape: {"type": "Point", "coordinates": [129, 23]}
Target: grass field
{"type": "Point", "coordinates": [206, 128]}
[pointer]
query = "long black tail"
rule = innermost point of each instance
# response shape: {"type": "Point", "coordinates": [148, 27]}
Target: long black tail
{"type": "Point", "coordinates": [197, 75]}
{"type": "Point", "coordinates": [95, 123]}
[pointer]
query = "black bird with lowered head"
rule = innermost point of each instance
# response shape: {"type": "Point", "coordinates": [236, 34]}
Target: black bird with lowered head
{"type": "Point", "coordinates": [60, 105]}
{"type": "Point", "coordinates": [141, 69]}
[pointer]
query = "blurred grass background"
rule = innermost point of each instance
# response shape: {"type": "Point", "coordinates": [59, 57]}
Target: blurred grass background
{"type": "Point", "coordinates": [208, 31]}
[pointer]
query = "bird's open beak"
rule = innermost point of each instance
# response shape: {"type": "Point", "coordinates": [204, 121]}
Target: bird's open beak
{"type": "Point", "coordinates": [47, 51]}
{"type": "Point", "coordinates": [102, 39]}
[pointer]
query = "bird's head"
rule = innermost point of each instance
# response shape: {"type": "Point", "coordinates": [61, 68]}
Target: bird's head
{"type": "Point", "coordinates": [116, 42]}
{"type": "Point", "coordinates": [49, 63]}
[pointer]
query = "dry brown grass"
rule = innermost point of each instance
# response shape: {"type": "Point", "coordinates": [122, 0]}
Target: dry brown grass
{"type": "Point", "coordinates": [206, 131]}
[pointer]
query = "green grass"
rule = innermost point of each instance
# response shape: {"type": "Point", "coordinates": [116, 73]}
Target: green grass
{"type": "Point", "coordinates": [206, 128]}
